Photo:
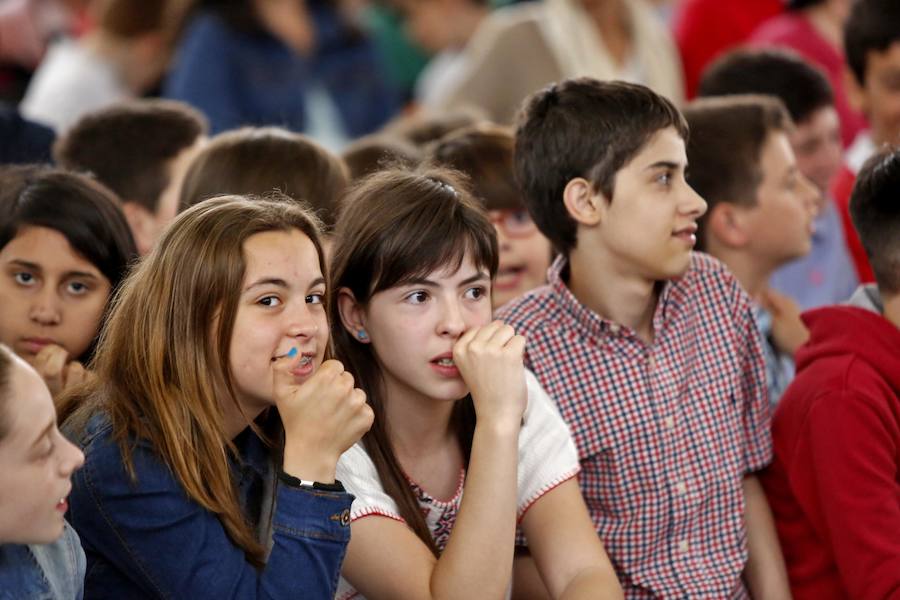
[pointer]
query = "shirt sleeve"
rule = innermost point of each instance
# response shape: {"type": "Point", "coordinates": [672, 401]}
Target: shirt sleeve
{"type": "Point", "coordinates": [547, 454]}
{"type": "Point", "coordinates": [751, 393]}
{"type": "Point", "coordinates": [846, 480]}
{"type": "Point", "coordinates": [169, 546]}
{"type": "Point", "coordinates": [357, 472]}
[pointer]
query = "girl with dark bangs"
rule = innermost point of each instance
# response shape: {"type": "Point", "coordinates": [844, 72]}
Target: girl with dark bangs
{"type": "Point", "coordinates": [454, 409]}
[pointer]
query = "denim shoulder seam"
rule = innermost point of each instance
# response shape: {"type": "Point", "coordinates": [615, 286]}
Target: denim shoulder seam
{"type": "Point", "coordinates": [109, 522]}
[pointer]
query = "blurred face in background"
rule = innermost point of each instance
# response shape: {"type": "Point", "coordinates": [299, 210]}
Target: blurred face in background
{"type": "Point", "coordinates": [525, 255]}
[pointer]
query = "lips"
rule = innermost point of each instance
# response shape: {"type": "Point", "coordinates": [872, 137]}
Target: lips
{"type": "Point", "coordinates": [509, 278]}
{"type": "Point", "coordinates": [687, 234]}
{"type": "Point", "coordinates": [303, 365]}
{"type": "Point", "coordinates": [34, 345]}
{"type": "Point", "coordinates": [444, 366]}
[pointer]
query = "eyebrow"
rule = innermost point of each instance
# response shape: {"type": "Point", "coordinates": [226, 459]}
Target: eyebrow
{"type": "Point", "coordinates": [36, 267]}
{"type": "Point", "coordinates": [665, 164]}
{"type": "Point", "coordinates": [429, 283]}
{"type": "Point", "coordinates": [279, 283]}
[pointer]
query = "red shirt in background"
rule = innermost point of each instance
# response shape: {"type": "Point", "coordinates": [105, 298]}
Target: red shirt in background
{"type": "Point", "coordinates": [841, 189]}
{"type": "Point", "coordinates": [834, 485]}
{"type": "Point", "coordinates": [793, 30]}
{"type": "Point", "coordinates": [706, 28]}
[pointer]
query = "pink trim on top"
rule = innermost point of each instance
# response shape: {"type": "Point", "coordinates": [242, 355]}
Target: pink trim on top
{"type": "Point", "coordinates": [431, 499]}
{"type": "Point", "coordinates": [375, 512]}
{"type": "Point", "coordinates": [352, 594]}
{"type": "Point", "coordinates": [541, 492]}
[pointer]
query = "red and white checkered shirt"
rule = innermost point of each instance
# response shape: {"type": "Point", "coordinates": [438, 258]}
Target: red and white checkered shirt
{"type": "Point", "coordinates": [665, 432]}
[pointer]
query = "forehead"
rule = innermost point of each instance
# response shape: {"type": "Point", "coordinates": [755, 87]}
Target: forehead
{"type": "Point", "coordinates": [47, 248]}
{"type": "Point", "coordinates": [450, 274]}
{"type": "Point", "coordinates": [28, 407]}
{"type": "Point", "coordinates": [777, 155]}
{"type": "Point", "coordinates": [822, 120]}
{"type": "Point", "coordinates": [285, 254]}
{"type": "Point", "coordinates": [666, 145]}
{"type": "Point", "coordinates": [886, 62]}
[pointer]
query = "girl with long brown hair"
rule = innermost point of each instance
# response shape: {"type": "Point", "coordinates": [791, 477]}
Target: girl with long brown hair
{"type": "Point", "coordinates": [454, 408]}
{"type": "Point", "coordinates": [213, 427]}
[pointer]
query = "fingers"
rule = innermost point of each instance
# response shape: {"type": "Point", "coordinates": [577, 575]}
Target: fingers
{"type": "Point", "coordinates": [49, 363]}
{"type": "Point", "coordinates": [494, 335]}
{"type": "Point", "coordinates": [74, 374]}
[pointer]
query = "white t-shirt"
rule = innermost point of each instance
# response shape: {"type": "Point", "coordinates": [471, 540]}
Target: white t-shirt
{"type": "Point", "coordinates": [70, 82]}
{"type": "Point", "coordinates": [547, 457]}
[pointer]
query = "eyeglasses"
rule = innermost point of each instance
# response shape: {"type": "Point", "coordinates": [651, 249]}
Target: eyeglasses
{"type": "Point", "coordinates": [515, 223]}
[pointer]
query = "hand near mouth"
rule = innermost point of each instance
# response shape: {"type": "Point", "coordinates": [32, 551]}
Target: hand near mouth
{"type": "Point", "coordinates": [491, 362]}
{"type": "Point", "coordinates": [322, 417]}
{"type": "Point", "coordinates": [60, 374]}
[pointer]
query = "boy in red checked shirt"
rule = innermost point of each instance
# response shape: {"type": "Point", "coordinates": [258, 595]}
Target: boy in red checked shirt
{"type": "Point", "coordinates": [649, 349]}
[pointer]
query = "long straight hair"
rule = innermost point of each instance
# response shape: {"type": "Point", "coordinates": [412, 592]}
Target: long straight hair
{"type": "Point", "coordinates": [398, 226]}
{"type": "Point", "coordinates": [162, 359]}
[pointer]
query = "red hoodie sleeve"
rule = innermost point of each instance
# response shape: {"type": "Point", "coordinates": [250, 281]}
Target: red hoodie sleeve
{"type": "Point", "coordinates": [846, 480]}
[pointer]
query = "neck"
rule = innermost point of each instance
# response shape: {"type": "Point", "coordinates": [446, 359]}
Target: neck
{"type": "Point", "coordinates": [235, 422]}
{"type": "Point", "coordinates": [118, 54]}
{"type": "Point", "coordinates": [419, 426]}
{"type": "Point", "coordinates": [752, 276]}
{"type": "Point", "coordinates": [624, 298]}
{"type": "Point", "coordinates": [892, 308]}
{"type": "Point", "coordinates": [828, 20]}
{"type": "Point", "coordinates": [613, 22]}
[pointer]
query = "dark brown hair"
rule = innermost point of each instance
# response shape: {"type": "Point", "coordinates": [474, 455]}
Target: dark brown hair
{"type": "Point", "coordinates": [484, 153]}
{"type": "Point", "coordinates": [129, 146]}
{"type": "Point", "coordinates": [873, 26]}
{"type": "Point", "coordinates": [582, 128]}
{"type": "Point", "coordinates": [727, 137]}
{"type": "Point", "coordinates": [778, 72]}
{"type": "Point", "coordinates": [131, 18]}
{"type": "Point", "coordinates": [398, 226]}
{"type": "Point", "coordinates": [258, 161]}
{"type": "Point", "coordinates": [377, 152]}
{"type": "Point", "coordinates": [162, 360]}
{"type": "Point", "coordinates": [424, 127]}
{"type": "Point", "coordinates": [876, 216]}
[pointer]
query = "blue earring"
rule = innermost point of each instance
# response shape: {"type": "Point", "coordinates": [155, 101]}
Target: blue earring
{"type": "Point", "coordinates": [362, 335]}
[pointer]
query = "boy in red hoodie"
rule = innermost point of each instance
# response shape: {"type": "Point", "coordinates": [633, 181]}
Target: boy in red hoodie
{"type": "Point", "coordinates": [834, 484]}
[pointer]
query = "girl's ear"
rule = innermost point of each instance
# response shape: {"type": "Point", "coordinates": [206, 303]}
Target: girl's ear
{"type": "Point", "coordinates": [352, 315]}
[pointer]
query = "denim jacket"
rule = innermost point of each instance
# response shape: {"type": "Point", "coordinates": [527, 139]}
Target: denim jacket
{"type": "Point", "coordinates": [148, 539]}
{"type": "Point", "coordinates": [241, 78]}
{"type": "Point", "coordinates": [43, 572]}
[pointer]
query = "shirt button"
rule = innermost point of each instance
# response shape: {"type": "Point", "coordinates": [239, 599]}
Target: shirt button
{"type": "Point", "coordinates": [345, 517]}
{"type": "Point", "coordinates": [670, 422]}
{"type": "Point", "coordinates": [615, 328]}
{"type": "Point", "coordinates": [684, 546]}
{"type": "Point", "coordinates": [651, 364]}
{"type": "Point", "coordinates": [681, 487]}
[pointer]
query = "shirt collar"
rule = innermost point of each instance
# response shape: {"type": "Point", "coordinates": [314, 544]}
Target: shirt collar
{"type": "Point", "coordinates": [590, 321]}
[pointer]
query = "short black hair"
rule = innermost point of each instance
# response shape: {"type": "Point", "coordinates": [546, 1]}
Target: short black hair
{"type": "Point", "coordinates": [876, 215]}
{"type": "Point", "coordinates": [802, 4]}
{"type": "Point", "coordinates": [582, 128]}
{"type": "Point", "coordinates": [782, 73]}
{"type": "Point", "coordinates": [873, 25]}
